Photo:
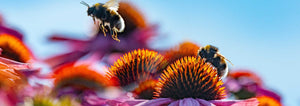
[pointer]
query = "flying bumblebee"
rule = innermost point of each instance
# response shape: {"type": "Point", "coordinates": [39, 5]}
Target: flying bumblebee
{"type": "Point", "coordinates": [212, 55]}
{"type": "Point", "coordinates": [107, 16]}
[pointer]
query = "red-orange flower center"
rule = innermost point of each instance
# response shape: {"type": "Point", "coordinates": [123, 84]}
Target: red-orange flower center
{"type": "Point", "coordinates": [268, 101]}
{"type": "Point", "coordinates": [190, 77]}
{"type": "Point", "coordinates": [13, 48]}
{"type": "Point", "coordinates": [136, 66]}
{"type": "Point", "coordinates": [79, 77]}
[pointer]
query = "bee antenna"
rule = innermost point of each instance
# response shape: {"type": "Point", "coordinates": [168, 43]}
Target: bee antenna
{"type": "Point", "coordinates": [226, 59]}
{"type": "Point", "coordinates": [84, 3]}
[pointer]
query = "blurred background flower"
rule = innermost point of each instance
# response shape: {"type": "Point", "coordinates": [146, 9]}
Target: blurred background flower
{"type": "Point", "coordinates": [137, 34]}
{"type": "Point", "coordinates": [243, 84]}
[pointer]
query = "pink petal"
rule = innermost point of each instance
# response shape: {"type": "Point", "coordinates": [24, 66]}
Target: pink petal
{"type": "Point", "coordinates": [65, 58]}
{"type": "Point", "coordinates": [204, 102]}
{"type": "Point", "coordinates": [14, 64]}
{"type": "Point", "coordinates": [158, 102]}
{"type": "Point", "coordinates": [262, 91]}
{"type": "Point", "coordinates": [58, 37]}
{"type": "Point", "coordinates": [247, 102]}
{"type": "Point", "coordinates": [15, 33]}
{"type": "Point", "coordinates": [188, 102]}
{"type": "Point", "coordinates": [93, 100]}
{"type": "Point", "coordinates": [132, 102]}
{"type": "Point", "coordinates": [175, 103]}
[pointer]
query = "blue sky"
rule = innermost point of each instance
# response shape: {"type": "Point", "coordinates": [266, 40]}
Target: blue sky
{"type": "Point", "coordinates": [262, 36]}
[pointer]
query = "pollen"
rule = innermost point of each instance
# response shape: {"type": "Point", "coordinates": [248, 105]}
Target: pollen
{"type": "Point", "coordinates": [80, 76]}
{"type": "Point", "coordinates": [184, 49]}
{"type": "Point", "coordinates": [190, 77]}
{"type": "Point", "coordinates": [136, 67]}
{"type": "Point", "coordinates": [13, 48]}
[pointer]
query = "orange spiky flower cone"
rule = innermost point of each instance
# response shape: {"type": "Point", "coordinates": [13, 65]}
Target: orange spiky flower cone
{"type": "Point", "coordinates": [190, 77]}
{"type": "Point", "coordinates": [80, 76]}
{"type": "Point", "coordinates": [13, 48]}
{"type": "Point", "coordinates": [136, 66]}
{"type": "Point", "coordinates": [184, 49]}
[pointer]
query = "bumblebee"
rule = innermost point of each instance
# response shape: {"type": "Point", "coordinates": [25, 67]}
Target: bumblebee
{"type": "Point", "coordinates": [212, 55]}
{"type": "Point", "coordinates": [107, 16]}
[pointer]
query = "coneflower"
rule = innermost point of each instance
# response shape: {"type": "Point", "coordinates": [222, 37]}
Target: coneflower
{"type": "Point", "coordinates": [191, 81]}
{"type": "Point", "coordinates": [136, 66]}
{"type": "Point", "coordinates": [79, 77]}
{"type": "Point", "coordinates": [13, 48]}
{"type": "Point", "coordinates": [244, 84]}
{"type": "Point", "coordinates": [190, 77]}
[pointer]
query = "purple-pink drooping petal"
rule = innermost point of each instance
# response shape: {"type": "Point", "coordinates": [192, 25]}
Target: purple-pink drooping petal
{"type": "Point", "coordinates": [188, 102]}
{"type": "Point", "coordinates": [263, 92]}
{"type": "Point", "coordinates": [15, 33]}
{"type": "Point", "coordinates": [247, 102]}
{"type": "Point", "coordinates": [14, 64]}
{"type": "Point", "coordinates": [158, 102]}
{"type": "Point", "coordinates": [204, 102]}
{"type": "Point", "coordinates": [65, 58]}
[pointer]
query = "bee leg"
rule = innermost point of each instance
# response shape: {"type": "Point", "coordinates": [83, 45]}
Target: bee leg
{"type": "Point", "coordinates": [103, 29]}
{"type": "Point", "coordinates": [114, 34]}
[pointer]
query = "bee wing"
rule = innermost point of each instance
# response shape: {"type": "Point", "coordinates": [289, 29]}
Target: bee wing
{"type": "Point", "coordinates": [112, 4]}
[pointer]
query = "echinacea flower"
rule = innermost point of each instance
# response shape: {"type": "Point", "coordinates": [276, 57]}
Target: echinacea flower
{"type": "Point", "coordinates": [135, 67]}
{"type": "Point", "coordinates": [244, 84]}
{"type": "Point", "coordinates": [136, 35]}
{"type": "Point", "coordinates": [184, 49]}
{"type": "Point", "coordinates": [78, 77]}
{"type": "Point", "coordinates": [13, 48]}
{"type": "Point", "coordinates": [191, 82]}
{"type": "Point", "coordinates": [190, 77]}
